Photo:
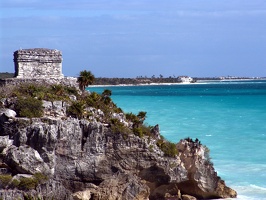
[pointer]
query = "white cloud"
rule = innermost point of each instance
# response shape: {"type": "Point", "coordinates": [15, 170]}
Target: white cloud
{"type": "Point", "coordinates": [137, 33]}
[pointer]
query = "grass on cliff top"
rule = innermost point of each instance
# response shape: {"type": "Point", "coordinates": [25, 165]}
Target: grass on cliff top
{"type": "Point", "coordinates": [27, 102]}
{"type": "Point", "coordinates": [27, 98]}
{"type": "Point", "coordinates": [39, 91]}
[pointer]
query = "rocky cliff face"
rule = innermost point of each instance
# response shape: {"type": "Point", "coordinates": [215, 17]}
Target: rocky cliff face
{"type": "Point", "coordinates": [67, 158]}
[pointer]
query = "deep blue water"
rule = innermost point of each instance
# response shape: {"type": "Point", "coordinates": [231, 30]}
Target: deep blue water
{"type": "Point", "coordinates": [228, 117]}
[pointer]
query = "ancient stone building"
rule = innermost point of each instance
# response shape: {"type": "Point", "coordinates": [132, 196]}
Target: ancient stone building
{"type": "Point", "coordinates": [38, 63]}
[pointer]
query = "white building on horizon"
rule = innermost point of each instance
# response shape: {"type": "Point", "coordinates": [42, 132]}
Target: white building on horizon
{"type": "Point", "coordinates": [185, 79]}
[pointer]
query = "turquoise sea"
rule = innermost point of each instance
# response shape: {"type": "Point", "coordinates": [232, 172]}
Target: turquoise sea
{"type": "Point", "coordinates": [228, 117]}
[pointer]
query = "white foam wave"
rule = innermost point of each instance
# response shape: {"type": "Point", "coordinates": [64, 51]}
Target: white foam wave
{"type": "Point", "coordinates": [258, 187]}
{"type": "Point", "coordinates": [250, 192]}
{"type": "Point", "coordinates": [242, 197]}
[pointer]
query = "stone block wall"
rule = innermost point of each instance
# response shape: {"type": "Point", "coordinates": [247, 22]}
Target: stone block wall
{"type": "Point", "coordinates": [68, 81]}
{"type": "Point", "coordinates": [38, 63]}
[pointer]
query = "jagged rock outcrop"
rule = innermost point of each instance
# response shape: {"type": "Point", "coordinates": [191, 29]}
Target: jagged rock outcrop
{"type": "Point", "coordinates": [203, 181]}
{"type": "Point", "coordinates": [84, 159]}
{"type": "Point", "coordinates": [7, 113]}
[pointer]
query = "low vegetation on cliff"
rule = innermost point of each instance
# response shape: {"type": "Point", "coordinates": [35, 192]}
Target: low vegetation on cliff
{"type": "Point", "coordinates": [27, 101]}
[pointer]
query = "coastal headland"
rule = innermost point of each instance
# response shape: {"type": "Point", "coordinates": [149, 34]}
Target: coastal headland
{"type": "Point", "coordinates": [59, 141]}
{"type": "Point", "coordinates": [72, 145]}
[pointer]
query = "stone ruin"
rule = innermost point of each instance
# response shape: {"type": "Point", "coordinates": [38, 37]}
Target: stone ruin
{"type": "Point", "coordinates": [38, 63]}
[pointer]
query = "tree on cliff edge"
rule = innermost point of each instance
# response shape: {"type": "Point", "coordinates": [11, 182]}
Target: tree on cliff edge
{"type": "Point", "coordinates": [85, 78]}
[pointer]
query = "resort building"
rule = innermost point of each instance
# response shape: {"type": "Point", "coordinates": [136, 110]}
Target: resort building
{"type": "Point", "coordinates": [185, 79]}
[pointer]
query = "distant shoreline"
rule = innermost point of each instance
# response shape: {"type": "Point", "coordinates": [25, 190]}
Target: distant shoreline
{"type": "Point", "coordinates": [149, 81]}
{"type": "Point", "coordinates": [179, 83]}
{"type": "Point", "coordinates": [141, 84]}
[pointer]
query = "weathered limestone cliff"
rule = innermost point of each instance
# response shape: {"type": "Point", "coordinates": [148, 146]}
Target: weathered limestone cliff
{"type": "Point", "coordinates": [61, 157]}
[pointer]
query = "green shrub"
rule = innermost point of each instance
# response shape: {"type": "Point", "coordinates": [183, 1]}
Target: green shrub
{"type": "Point", "coordinates": [151, 148]}
{"type": "Point", "coordinates": [92, 99]}
{"type": "Point", "coordinates": [207, 156]}
{"type": "Point", "coordinates": [137, 121]}
{"type": "Point", "coordinates": [27, 183]}
{"type": "Point", "coordinates": [28, 197]}
{"type": "Point", "coordinates": [142, 130]}
{"type": "Point", "coordinates": [142, 115]}
{"type": "Point", "coordinates": [131, 117]}
{"type": "Point", "coordinates": [15, 183]}
{"type": "Point", "coordinates": [117, 109]}
{"type": "Point", "coordinates": [30, 90]}
{"type": "Point", "coordinates": [58, 90]}
{"type": "Point", "coordinates": [59, 93]}
{"type": "Point", "coordinates": [95, 96]}
{"type": "Point", "coordinates": [71, 90]}
{"type": "Point", "coordinates": [41, 178]}
{"type": "Point", "coordinates": [138, 132]}
{"type": "Point", "coordinates": [168, 148]}
{"type": "Point", "coordinates": [4, 180]}
{"type": "Point", "coordinates": [29, 107]}
{"type": "Point", "coordinates": [146, 130]}
{"type": "Point", "coordinates": [118, 127]}
{"type": "Point", "coordinates": [43, 91]}
{"type": "Point", "coordinates": [171, 150]}
{"type": "Point", "coordinates": [89, 101]}
{"type": "Point", "coordinates": [106, 93]}
{"type": "Point", "coordinates": [107, 100]}
{"type": "Point", "coordinates": [76, 109]}
{"type": "Point", "coordinates": [41, 95]}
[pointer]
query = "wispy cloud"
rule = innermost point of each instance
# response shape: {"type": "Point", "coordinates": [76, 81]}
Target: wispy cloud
{"type": "Point", "coordinates": [130, 9]}
{"type": "Point", "coordinates": [137, 32]}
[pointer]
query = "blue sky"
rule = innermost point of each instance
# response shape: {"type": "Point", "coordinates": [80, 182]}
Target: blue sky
{"type": "Point", "coordinates": [129, 38]}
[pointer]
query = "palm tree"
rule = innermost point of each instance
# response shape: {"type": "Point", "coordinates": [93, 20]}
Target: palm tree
{"type": "Point", "coordinates": [106, 96]}
{"type": "Point", "coordinates": [106, 93]}
{"type": "Point", "coordinates": [85, 78]}
{"type": "Point", "coordinates": [142, 116]}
